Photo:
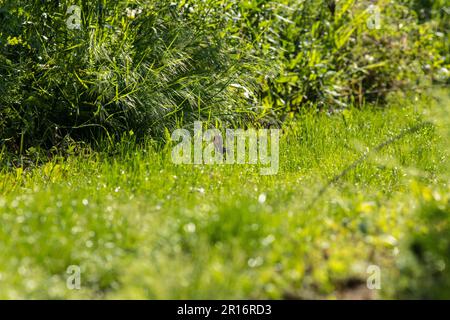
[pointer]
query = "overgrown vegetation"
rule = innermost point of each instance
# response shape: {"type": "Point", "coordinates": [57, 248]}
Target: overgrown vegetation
{"type": "Point", "coordinates": [141, 67]}
{"type": "Point", "coordinates": [148, 66]}
{"type": "Point", "coordinates": [86, 176]}
{"type": "Point", "coordinates": [142, 227]}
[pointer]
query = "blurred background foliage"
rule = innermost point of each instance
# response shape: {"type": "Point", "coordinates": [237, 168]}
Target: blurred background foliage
{"type": "Point", "coordinates": [422, 268]}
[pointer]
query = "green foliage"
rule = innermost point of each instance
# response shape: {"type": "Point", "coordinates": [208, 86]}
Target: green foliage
{"type": "Point", "coordinates": [141, 227]}
{"type": "Point", "coordinates": [150, 66]}
{"type": "Point", "coordinates": [144, 70]}
{"type": "Point", "coordinates": [436, 16]}
{"type": "Point", "coordinates": [424, 266]}
{"type": "Point", "coordinates": [327, 56]}
{"type": "Point", "coordinates": [422, 269]}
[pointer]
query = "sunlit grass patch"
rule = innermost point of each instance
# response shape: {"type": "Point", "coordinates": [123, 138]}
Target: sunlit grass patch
{"type": "Point", "coordinates": [141, 227]}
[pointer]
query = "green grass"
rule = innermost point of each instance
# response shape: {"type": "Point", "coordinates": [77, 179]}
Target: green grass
{"type": "Point", "coordinates": [142, 227]}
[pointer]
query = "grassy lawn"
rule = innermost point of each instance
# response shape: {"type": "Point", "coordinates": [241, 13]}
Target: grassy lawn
{"type": "Point", "coordinates": [142, 227]}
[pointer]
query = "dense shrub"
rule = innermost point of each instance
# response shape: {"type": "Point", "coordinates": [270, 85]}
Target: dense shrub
{"type": "Point", "coordinates": [436, 15]}
{"type": "Point", "coordinates": [150, 65]}
{"type": "Point", "coordinates": [132, 65]}
{"type": "Point", "coordinates": [329, 57]}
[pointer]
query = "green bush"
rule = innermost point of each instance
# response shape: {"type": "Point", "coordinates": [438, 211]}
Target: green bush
{"type": "Point", "coordinates": [148, 66]}
{"type": "Point", "coordinates": [327, 55]}
{"type": "Point", "coordinates": [132, 65]}
{"type": "Point", "coordinates": [436, 15]}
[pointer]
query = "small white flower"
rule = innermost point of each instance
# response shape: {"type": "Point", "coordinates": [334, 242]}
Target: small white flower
{"type": "Point", "coordinates": [255, 262]}
{"type": "Point", "coordinates": [190, 228]}
{"type": "Point", "coordinates": [369, 58]}
{"type": "Point", "coordinates": [247, 92]}
{"type": "Point", "coordinates": [132, 13]}
{"type": "Point", "coordinates": [201, 190]}
{"type": "Point", "coordinates": [262, 198]}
